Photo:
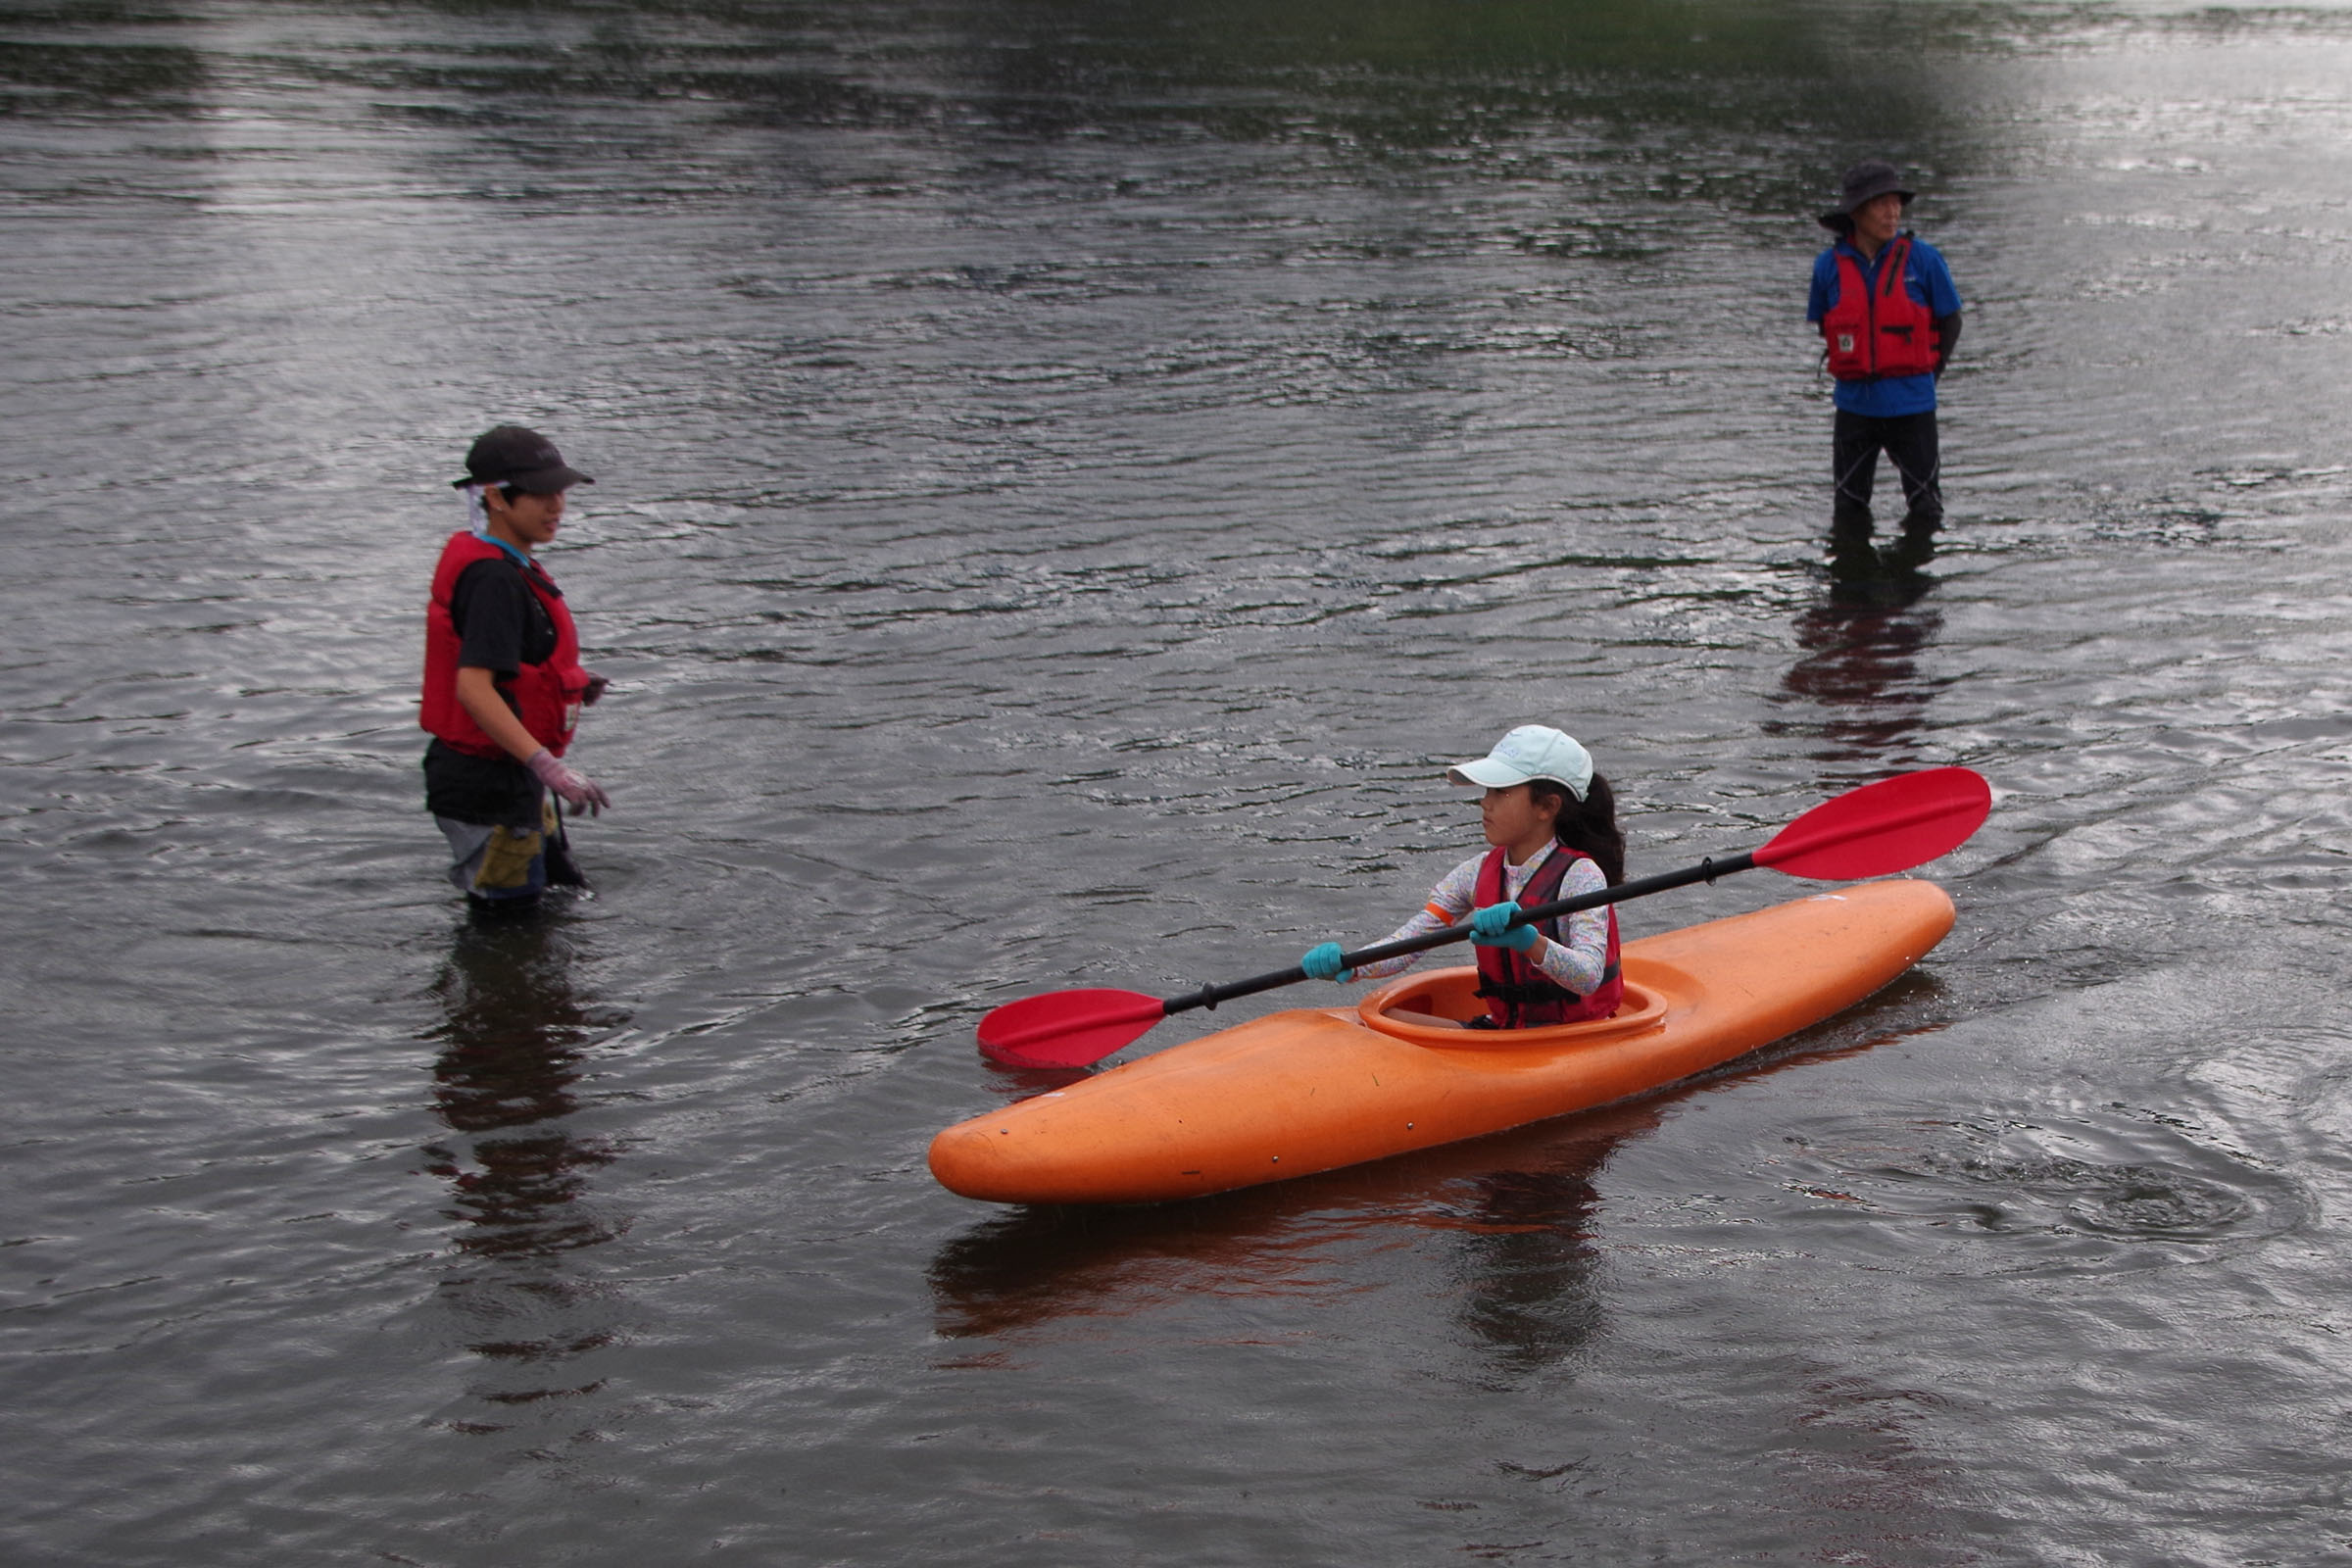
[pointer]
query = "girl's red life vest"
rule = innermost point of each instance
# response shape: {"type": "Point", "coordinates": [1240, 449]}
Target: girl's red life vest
{"type": "Point", "coordinates": [546, 697]}
{"type": "Point", "coordinates": [1520, 995]}
{"type": "Point", "coordinates": [1882, 330]}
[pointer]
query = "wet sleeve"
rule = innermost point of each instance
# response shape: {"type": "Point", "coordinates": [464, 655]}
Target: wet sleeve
{"type": "Point", "coordinates": [1947, 338]}
{"type": "Point", "coordinates": [490, 608]}
{"type": "Point", "coordinates": [1825, 288]}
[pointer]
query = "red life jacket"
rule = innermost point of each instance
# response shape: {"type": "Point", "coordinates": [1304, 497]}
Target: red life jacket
{"type": "Point", "coordinates": [1881, 332]}
{"type": "Point", "coordinates": [546, 697]}
{"type": "Point", "coordinates": [1520, 995]}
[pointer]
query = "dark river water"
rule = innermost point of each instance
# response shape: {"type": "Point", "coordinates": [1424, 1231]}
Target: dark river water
{"type": "Point", "coordinates": [1068, 474]}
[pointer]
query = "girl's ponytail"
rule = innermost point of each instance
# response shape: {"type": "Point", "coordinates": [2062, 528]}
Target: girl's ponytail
{"type": "Point", "coordinates": [1589, 826]}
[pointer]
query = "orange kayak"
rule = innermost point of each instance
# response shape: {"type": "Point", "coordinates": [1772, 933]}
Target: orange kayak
{"type": "Point", "coordinates": [1313, 1089]}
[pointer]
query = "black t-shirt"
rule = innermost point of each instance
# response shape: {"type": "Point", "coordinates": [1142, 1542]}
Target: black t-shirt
{"type": "Point", "coordinates": [501, 626]}
{"type": "Point", "coordinates": [501, 623]}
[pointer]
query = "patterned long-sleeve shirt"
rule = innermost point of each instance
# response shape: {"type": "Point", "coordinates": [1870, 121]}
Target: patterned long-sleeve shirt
{"type": "Point", "coordinates": [1576, 961]}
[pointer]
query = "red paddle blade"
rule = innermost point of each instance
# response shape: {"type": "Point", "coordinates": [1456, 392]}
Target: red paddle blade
{"type": "Point", "coordinates": [1066, 1028]}
{"type": "Point", "coordinates": [1883, 828]}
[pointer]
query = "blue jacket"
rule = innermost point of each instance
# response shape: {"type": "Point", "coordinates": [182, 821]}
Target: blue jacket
{"type": "Point", "coordinates": [1927, 281]}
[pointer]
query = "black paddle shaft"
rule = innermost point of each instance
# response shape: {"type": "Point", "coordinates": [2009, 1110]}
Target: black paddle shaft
{"type": "Point", "coordinates": [1704, 871]}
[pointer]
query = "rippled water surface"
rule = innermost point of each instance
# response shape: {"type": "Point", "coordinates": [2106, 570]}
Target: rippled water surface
{"type": "Point", "coordinates": [1068, 474]}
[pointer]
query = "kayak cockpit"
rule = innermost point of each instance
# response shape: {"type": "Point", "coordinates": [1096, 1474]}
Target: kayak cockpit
{"type": "Point", "coordinates": [1453, 994]}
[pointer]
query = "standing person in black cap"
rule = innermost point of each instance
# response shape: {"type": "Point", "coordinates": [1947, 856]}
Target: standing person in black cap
{"type": "Point", "coordinates": [503, 680]}
{"type": "Point", "coordinates": [1889, 315]}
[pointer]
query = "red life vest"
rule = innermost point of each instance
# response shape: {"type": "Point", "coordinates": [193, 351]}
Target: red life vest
{"type": "Point", "coordinates": [1520, 995]}
{"type": "Point", "coordinates": [546, 697]}
{"type": "Point", "coordinates": [1881, 332]}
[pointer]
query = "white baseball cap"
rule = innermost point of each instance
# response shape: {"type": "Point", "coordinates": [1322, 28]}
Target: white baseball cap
{"type": "Point", "coordinates": [1532, 751]}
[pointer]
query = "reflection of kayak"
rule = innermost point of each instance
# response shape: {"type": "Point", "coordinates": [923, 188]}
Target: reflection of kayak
{"type": "Point", "coordinates": [1518, 1199]}
{"type": "Point", "coordinates": [1314, 1089]}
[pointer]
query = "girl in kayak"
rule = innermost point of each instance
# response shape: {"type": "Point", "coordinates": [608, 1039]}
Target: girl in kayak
{"type": "Point", "coordinates": [1552, 822]}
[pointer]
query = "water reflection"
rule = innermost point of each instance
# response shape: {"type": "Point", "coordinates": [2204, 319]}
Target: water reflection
{"type": "Point", "coordinates": [1436, 73]}
{"type": "Point", "coordinates": [1404, 74]}
{"type": "Point", "coordinates": [59, 77]}
{"type": "Point", "coordinates": [1016, 1084]}
{"type": "Point", "coordinates": [1515, 1212]}
{"type": "Point", "coordinates": [1866, 573]}
{"type": "Point", "coordinates": [1860, 647]}
{"type": "Point", "coordinates": [505, 1085]}
{"type": "Point", "coordinates": [1527, 1261]}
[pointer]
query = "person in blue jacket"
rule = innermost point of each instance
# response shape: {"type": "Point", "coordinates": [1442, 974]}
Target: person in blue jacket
{"type": "Point", "coordinates": [1890, 318]}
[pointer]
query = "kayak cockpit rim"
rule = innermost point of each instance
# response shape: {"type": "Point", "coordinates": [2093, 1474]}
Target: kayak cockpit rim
{"type": "Point", "coordinates": [1649, 990]}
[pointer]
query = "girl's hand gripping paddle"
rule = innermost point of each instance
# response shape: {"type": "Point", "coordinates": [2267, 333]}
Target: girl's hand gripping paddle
{"type": "Point", "coordinates": [1876, 830]}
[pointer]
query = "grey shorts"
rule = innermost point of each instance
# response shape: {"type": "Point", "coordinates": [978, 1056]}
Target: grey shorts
{"type": "Point", "coordinates": [501, 864]}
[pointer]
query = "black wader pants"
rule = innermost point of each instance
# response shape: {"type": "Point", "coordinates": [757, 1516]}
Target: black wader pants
{"type": "Point", "coordinates": [1909, 442]}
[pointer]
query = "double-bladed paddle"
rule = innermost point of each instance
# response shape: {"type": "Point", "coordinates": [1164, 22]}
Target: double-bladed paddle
{"type": "Point", "coordinates": [1876, 830]}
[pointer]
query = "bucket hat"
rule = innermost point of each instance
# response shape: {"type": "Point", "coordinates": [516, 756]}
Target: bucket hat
{"type": "Point", "coordinates": [1864, 182]}
{"type": "Point", "coordinates": [1530, 751]}
{"type": "Point", "coordinates": [511, 455]}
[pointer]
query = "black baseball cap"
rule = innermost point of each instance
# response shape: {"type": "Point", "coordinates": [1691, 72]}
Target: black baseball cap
{"type": "Point", "coordinates": [524, 459]}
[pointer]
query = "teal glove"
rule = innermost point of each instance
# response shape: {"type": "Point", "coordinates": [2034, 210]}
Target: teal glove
{"type": "Point", "coordinates": [1487, 928]}
{"type": "Point", "coordinates": [1322, 963]}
